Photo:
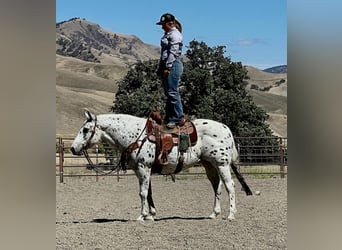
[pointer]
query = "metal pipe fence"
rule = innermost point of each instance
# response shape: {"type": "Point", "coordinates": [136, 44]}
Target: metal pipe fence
{"type": "Point", "coordinates": [257, 156]}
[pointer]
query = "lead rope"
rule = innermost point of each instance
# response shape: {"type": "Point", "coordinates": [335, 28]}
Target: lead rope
{"type": "Point", "coordinates": [96, 168]}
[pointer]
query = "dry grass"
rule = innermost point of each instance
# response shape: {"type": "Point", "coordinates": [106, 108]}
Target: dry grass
{"type": "Point", "coordinates": [81, 84]}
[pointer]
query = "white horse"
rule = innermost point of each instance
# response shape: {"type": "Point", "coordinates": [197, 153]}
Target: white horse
{"type": "Point", "coordinates": [215, 150]}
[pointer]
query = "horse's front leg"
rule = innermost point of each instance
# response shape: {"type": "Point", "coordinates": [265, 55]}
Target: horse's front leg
{"type": "Point", "coordinates": [150, 200]}
{"type": "Point", "coordinates": [144, 174]}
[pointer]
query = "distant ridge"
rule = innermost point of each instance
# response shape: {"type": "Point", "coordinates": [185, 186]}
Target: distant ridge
{"type": "Point", "coordinates": [87, 41]}
{"type": "Point", "coordinates": [277, 69]}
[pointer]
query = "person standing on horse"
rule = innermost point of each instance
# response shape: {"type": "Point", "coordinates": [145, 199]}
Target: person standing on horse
{"type": "Point", "coordinates": [171, 68]}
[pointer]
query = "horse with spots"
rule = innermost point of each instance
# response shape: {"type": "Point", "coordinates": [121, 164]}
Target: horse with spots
{"type": "Point", "coordinates": [215, 150]}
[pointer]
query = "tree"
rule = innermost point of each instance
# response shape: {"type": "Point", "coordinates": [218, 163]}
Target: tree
{"type": "Point", "coordinates": [212, 87]}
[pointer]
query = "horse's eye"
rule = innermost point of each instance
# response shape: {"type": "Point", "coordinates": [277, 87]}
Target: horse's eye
{"type": "Point", "coordinates": [85, 130]}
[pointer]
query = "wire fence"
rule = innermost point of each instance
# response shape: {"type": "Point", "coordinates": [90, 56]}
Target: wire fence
{"type": "Point", "coordinates": [257, 156]}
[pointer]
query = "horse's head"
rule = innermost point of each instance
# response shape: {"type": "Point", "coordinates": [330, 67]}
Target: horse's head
{"type": "Point", "coordinates": [86, 136]}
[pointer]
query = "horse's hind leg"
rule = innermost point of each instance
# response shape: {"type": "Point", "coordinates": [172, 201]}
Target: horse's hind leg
{"type": "Point", "coordinates": [225, 175]}
{"type": "Point", "coordinates": [216, 182]}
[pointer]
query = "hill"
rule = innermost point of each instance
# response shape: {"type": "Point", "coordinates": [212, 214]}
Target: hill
{"type": "Point", "coordinates": [87, 75]}
{"type": "Point", "coordinates": [269, 91]}
{"type": "Point", "coordinates": [89, 62]}
{"type": "Point", "coordinates": [277, 69]}
{"type": "Point", "coordinates": [85, 40]}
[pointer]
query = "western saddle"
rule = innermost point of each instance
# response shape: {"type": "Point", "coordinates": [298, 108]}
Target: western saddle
{"type": "Point", "coordinates": [183, 136]}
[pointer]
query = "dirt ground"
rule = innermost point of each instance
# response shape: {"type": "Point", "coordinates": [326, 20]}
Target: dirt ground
{"type": "Point", "coordinates": [102, 215]}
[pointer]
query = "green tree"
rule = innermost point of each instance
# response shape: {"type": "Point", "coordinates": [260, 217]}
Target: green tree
{"type": "Point", "coordinates": [212, 87]}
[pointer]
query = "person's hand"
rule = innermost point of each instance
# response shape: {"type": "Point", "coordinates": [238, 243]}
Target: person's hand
{"type": "Point", "coordinates": [166, 72]}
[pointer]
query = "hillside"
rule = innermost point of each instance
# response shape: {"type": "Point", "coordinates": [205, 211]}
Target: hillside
{"type": "Point", "coordinates": [89, 80]}
{"type": "Point", "coordinates": [277, 69]}
{"type": "Point", "coordinates": [269, 91]}
{"type": "Point", "coordinates": [89, 62]}
{"type": "Point", "coordinates": [79, 85]}
{"type": "Point", "coordinates": [85, 40]}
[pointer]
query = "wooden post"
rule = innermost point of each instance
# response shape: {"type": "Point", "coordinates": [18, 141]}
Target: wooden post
{"type": "Point", "coordinates": [282, 162]}
{"type": "Point", "coordinates": [97, 162]}
{"type": "Point", "coordinates": [61, 159]}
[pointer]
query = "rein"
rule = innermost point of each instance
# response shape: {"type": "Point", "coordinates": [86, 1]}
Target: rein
{"type": "Point", "coordinates": [96, 168]}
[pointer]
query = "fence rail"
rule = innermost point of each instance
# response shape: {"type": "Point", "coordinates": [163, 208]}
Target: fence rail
{"type": "Point", "coordinates": [258, 155]}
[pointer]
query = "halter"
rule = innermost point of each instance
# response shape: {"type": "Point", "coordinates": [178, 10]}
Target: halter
{"type": "Point", "coordinates": [86, 155]}
{"type": "Point", "coordinates": [92, 132]}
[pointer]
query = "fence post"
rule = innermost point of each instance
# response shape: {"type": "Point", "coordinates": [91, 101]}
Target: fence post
{"type": "Point", "coordinates": [282, 163]}
{"type": "Point", "coordinates": [61, 159]}
{"type": "Point", "coordinates": [97, 161]}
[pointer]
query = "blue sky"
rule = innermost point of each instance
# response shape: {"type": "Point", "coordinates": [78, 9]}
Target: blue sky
{"type": "Point", "coordinates": [254, 32]}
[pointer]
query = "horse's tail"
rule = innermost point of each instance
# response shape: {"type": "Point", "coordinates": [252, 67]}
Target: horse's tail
{"type": "Point", "coordinates": [241, 180]}
{"type": "Point", "coordinates": [235, 155]}
{"type": "Point", "coordinates": [237, 174]}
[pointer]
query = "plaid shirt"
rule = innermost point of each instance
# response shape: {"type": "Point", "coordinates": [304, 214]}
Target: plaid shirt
{"type": "Point", "coordinates": [171, 47]}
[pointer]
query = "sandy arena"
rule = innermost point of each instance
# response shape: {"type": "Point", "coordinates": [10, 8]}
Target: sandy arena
{"type": "Point", "coordinates": [102, 215]}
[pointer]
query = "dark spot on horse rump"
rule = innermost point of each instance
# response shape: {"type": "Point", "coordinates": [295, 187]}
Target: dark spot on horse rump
{"type": "Point", "coordinates": [215, 135]}
{"type": "Point", "coordinates": [222, 149]}
{"type": "Point", "coordinates": [205, 123]}
{"type": "Point", "coordinates": [222, 141]}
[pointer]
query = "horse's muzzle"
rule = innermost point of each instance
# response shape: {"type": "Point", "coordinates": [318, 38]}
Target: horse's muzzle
{"type": "Point", "coordinates": [73, 151]}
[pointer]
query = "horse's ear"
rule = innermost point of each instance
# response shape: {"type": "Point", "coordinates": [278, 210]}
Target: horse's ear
{"type": "Point", "coordinates": [89, 115]}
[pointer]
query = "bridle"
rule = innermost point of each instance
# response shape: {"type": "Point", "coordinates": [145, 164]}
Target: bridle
{"type": "Point", "coordinates": [92, 132]}
{"type": "Point", "coordinates": [86, 155]}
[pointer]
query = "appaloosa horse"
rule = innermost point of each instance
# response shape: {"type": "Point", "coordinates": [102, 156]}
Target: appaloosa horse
{"type": "Point", "coordinates": [215, 150]}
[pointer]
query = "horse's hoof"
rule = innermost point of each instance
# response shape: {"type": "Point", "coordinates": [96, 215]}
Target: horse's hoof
{"type": "Point", "coordinates": [213, 215]}
{"type": "Point", "coordinates": [140, 218]}
{"type": "Point", "coordinates": [153, 211]}
{"type": "Point", "coordinates": [231, 217]}
{"type": "Point", "coordinates": [149, 217]}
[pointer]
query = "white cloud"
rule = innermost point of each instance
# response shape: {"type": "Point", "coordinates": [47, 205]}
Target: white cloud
{"type": "Point", "coordinates": [249, 41]}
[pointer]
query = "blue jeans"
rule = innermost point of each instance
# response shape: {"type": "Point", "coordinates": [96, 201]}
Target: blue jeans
{"type": "Point", "coordinates": [174, 108]}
